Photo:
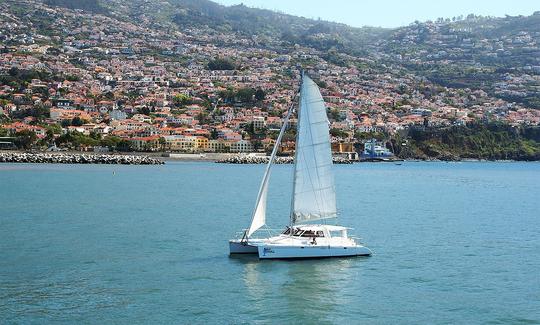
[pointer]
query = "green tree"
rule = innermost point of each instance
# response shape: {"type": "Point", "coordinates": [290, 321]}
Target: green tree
{"type": "Point", "coordinates": [95, 135]}
{"type": "Point", "coordinates": [108, 96]}
{"type": "Point", "coordinates": [144, 110]}
{"type": "Point", "coordinates": [321, 83]}
{"type": "Point", "coordinates": [25, 139]}
{"type": "Point", "coordinates": [334, 113]}
{"type": "Point", "coordinates": [338, 133]}
{"type": "Point", "coordinates": [110, 142]}
{"type": "Point", "coordinates": [260, 94]}
{"type": "Point", "coordinates": [221, 64]}
{"type": "Point", "coordinates": [203, 118]}
{"type": "Point", "coordinates": [182, 100]}
{"type": "Point", "coordinates": [360, 136]}
{"type": "Point", "coordinates": [84, 140]}
{"type": "Point", "coordinates": [245, 95]}
{"type": "Point", "coordinates": [77, 121]}
{"type": "Point", "coordinates": [227, 95]}
{"type": "Point", "coordinates": [124, 145]}
{"type": "Point", "coordinates": [72, 78]}
{"type": "Point", "coordinates": [76, 139]}
{"type": "Point", "coordinates": [40, 112]}
{"type": "Point", "coordinates": [162, 143]}
{"type": "Point", "coordinates": [49, 136]}
{"type": "Point", "coordinates": [54, 128]}
{"type": "Point", "coordinates": [213, 134]}
{"type": "Point", "coordinates": [290, 135]}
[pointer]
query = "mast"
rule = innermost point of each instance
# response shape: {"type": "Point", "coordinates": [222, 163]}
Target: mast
{"type": "Point", "coordinates": [291, 215]}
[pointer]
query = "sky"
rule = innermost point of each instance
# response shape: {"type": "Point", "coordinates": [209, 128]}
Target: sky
{"type": "Point", "coordinates": [391, 13]}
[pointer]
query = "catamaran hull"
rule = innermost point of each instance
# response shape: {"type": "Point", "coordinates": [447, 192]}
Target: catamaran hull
{"type": "Point", "coordinates": [238, 247]}
{"type": "Point", "coordinates": [298, 252]}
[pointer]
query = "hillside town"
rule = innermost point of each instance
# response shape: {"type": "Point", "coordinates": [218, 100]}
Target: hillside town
{"type": "Point", "coordinates": [77, 80]}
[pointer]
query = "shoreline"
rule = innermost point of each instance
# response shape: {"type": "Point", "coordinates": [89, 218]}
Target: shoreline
{"type": "Point", "coordinates": [215, 157]}
{"type": "Point", "coordinates": [159, 158]}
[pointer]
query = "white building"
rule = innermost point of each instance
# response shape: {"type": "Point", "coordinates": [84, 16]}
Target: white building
{"type": "Point", "coordinates": [118, 115]}
{"type": "Point", "coordinates": [242, 146]}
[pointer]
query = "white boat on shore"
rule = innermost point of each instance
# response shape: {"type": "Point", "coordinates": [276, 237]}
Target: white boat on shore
{"type": "Point", "coordinates": [313, 200]}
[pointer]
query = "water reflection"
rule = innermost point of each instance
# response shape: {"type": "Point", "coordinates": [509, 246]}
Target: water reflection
{"type": "Point", "coordinates": [251, 276]}
{"type": "Point", "coordinates": [313, 287]}
{"type": "Point", "coordinates": [311, 290]}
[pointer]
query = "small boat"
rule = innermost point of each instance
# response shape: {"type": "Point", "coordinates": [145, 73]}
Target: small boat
{"type": "Point", "coordinates": [374, 151]}
{"type": "Point", "coordinates": [313, 197]}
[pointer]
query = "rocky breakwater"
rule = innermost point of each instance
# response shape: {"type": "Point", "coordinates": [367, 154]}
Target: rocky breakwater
{"type": "Point", "coordinates": [264, 160]}
{"type": "Point", "coordinates": [69, 158]}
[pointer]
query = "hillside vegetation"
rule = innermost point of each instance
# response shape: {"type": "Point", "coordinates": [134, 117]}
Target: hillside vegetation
{"type": "Point", "coordinates": [493, 141]}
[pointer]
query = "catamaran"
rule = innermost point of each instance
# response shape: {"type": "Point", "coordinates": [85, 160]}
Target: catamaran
{"type": "Point", "coordinates": [313, 196]}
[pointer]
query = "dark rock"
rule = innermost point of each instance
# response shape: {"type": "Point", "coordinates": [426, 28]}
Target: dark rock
{"type": "Point", "coordinates": [68, 158]}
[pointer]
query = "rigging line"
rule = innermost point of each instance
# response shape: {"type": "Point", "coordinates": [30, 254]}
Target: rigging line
{"type": "Point", "coordinates": [293, 196]}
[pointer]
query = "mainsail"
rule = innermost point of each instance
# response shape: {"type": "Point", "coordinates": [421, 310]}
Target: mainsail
{"type": "Point", "coordinates": [314, 196]}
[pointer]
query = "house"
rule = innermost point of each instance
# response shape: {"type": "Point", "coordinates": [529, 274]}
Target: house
{"type": "Point", "coordinates": [117, 114]}
{"type": "Point", "coordinates": [150, 143]}
{"type": "Point", "coordinates": [68, 114]}
{"type": "Point", "coordinates": [18, 126]}
{"type": "Point", "coordinates": [102, 129]}
{"type": "Point", "coordinates": [186, 143]}
{"type": "Point", "coordinates": [219, 145]}
{"type": "Point", "coordinates": [230, 135]}
{"type": "Point", "coordinates": [274, 122]}
{"type": "Point", "coordinates": [258, 122]}
{"type": "Point", "coordinates": [142, 118]}
{"type": "Point", "coordinates": [242, 146]}
{"type": "Point", "coordinates": [64, 103]}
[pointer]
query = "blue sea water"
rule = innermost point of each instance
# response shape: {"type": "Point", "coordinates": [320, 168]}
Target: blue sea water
{"type": "Point", "coordinates": [454, 243]}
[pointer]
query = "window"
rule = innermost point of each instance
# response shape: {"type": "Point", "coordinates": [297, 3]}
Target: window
{"type": "Point", "coordinates": [305, 233]}
{"type": "Point", "coordinates": [336, 233]}
{"type": "Point", "coordinates": [308, 233]}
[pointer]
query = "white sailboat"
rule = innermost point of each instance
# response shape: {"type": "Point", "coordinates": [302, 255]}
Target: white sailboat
{"type": "Point", "coordinates": [313, 198]}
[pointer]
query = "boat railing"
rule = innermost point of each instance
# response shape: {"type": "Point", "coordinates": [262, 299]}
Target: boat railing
{"type": "Point", "coordinates": [268, 232]}
{"type": "Point", "coordinates": [259, 234]}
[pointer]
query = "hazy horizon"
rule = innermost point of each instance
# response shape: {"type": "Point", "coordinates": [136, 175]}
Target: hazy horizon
{"type": "Point", "coordinates": [390, 13]}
